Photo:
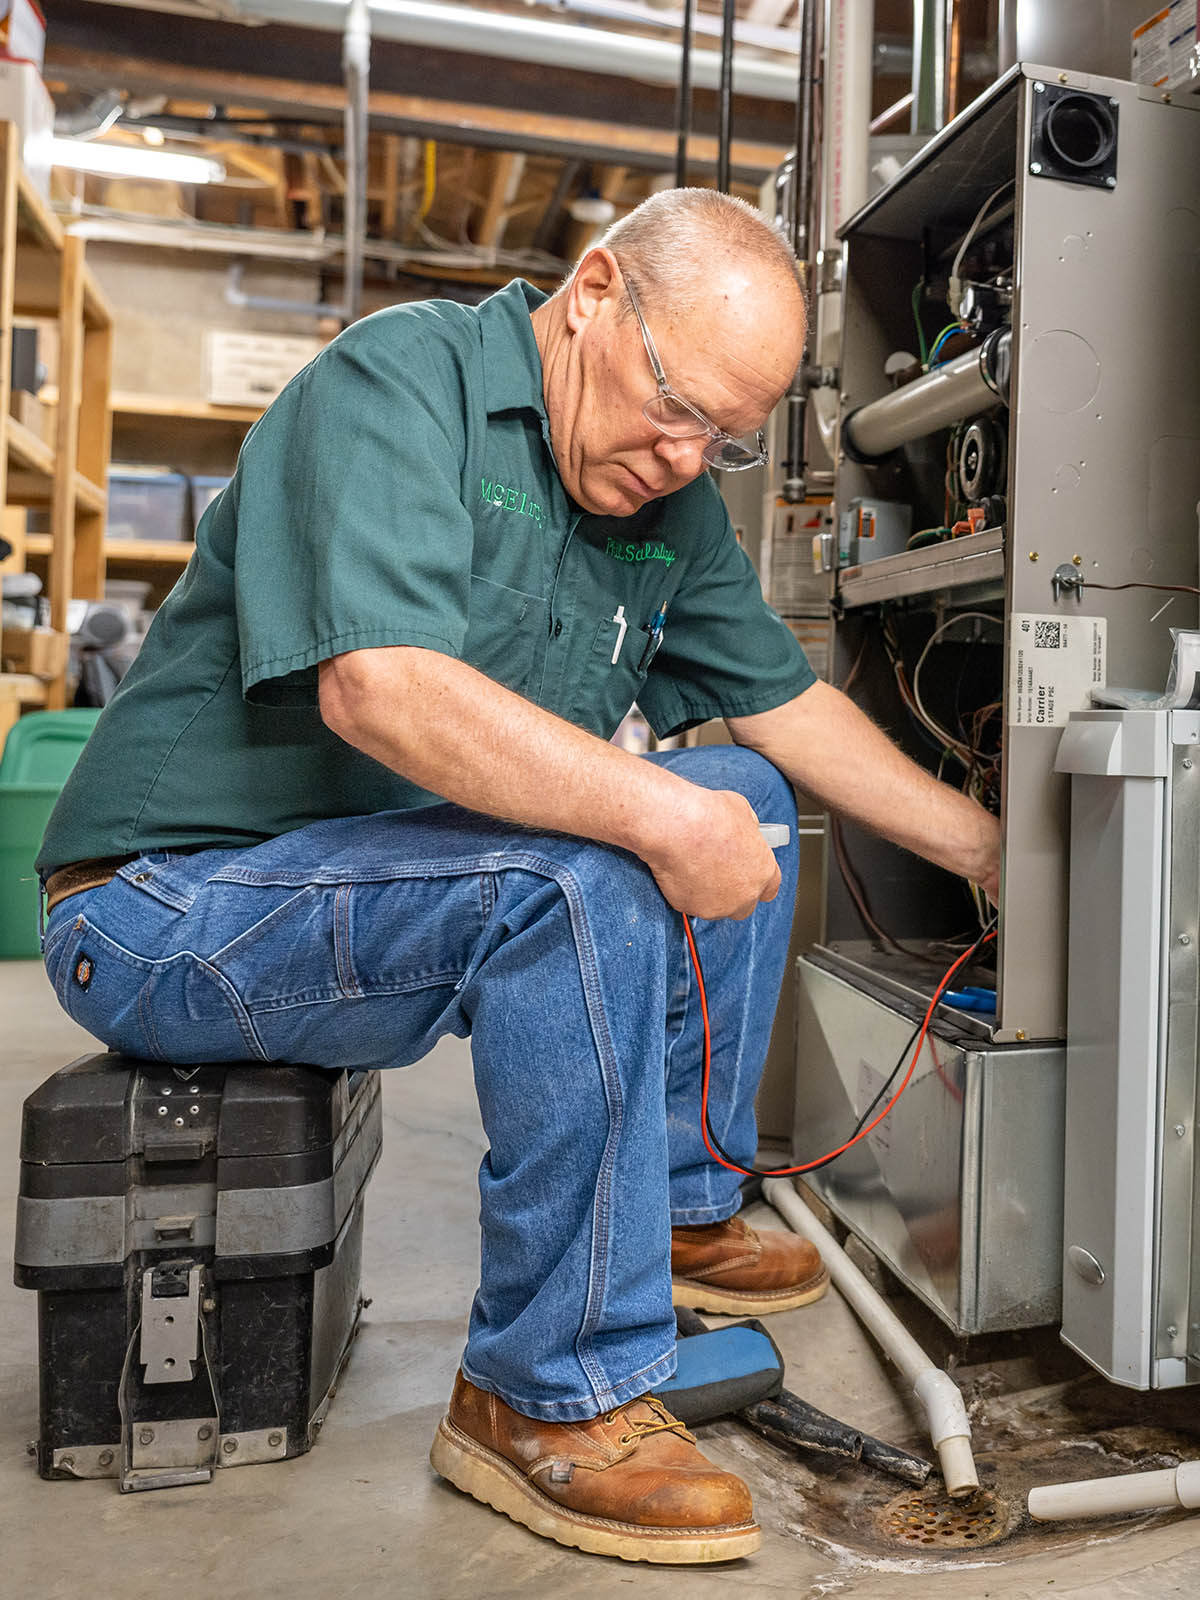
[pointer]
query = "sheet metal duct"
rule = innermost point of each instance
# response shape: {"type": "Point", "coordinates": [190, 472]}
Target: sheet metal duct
{"type": "Point", "coordinates": [965, 387]}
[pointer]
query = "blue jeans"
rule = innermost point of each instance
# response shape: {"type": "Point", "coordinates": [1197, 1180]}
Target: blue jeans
{"type": "Point", "coordinates": [359, 941]}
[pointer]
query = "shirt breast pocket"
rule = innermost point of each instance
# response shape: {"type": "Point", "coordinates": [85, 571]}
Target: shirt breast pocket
{"type": "Point", "coordinates": [506, 631]}
{"type": "Point", "coordinates": [610, 675]}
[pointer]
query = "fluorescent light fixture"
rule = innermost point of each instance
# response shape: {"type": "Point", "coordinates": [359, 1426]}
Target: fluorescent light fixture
{"type": "Point", "coordinates": [133, 161]}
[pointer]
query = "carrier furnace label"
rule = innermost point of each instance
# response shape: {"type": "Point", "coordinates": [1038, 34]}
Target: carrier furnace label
{"type": "Point", "coordinates": [1056, 662]}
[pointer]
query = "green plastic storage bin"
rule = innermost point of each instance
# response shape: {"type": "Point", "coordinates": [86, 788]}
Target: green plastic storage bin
{"type": "Point", "coordinates": [38, 755]}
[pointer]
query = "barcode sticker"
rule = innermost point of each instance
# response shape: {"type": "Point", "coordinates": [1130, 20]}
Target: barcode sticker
{"type": "Point", "coordinates": [1054, 664]}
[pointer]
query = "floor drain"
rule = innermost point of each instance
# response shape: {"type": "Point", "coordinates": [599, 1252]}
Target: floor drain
{"type": "Point", "coordinates": [929, 1518]}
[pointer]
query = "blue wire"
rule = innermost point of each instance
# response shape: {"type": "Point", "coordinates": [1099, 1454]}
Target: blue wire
{"type": "Point", "coordinates": [947, 333]}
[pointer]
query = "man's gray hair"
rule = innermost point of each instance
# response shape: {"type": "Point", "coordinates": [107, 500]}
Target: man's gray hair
{"type": "Point", "coordinates": [670, 244]}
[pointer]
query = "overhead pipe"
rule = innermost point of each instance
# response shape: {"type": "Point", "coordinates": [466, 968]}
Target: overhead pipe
{"type": "Point", "coordinates": [929, 66]}
{"type": "Point", "coordinates": [724, 126]}
{"type": "Point", "coordinates": [946, 1415]}
{"type": "Point", "coordinates": [962, 388]}
{"type": "Point", "coordinates": [356, 68]}
{"type": "Point", "coordinates": [683, 108]}
{"type": "Point", "coordinates": [497, 34]}
{"type": "Point", "coordinates": [801, 222]}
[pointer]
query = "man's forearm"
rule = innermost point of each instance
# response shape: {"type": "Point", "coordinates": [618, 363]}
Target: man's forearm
{"type": "Point", "coordinates": [455, 732]}
{"type": "Point", "coordinates": [827, 746]}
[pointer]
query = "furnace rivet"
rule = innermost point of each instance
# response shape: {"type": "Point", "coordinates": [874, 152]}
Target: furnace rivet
{"type": "Point", "coordinates": [162, 1111]}
{"type": "Point", "coordinates": [195, 1110]}
{"type": "Point", "coordinates": [179, 1122]}
{"type": "Point", "coordinates": [146, 1436]}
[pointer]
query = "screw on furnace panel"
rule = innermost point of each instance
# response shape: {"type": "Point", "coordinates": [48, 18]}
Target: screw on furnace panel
{"type": "Point", "coordinates": [229, 1446]}
{"type": "Point", "coordinates": [66, 1461]}
{"type": "Point", "coordinates": [1033, 555]}
{"type": "Point", "coordinates": [105, 1458]}
{"type": "Point", "coordinates": [1035, 167]}
{"type": "Point", "coordinates": [274, 1440]}
{"type": "Point", "coordinates": [162, 1111]}
{"type": "Point", "coordinates": [1039, 88]}
{"type": "Point", "coordinates": [1078, 560]}
{"type": "Point", "coordinates": [1172, 1330]}
{"type": "Point", "coordinates": [1184, 938]}
{"type": "Point", "coordinates": [179, 1122]}
{"type": "Point", "coordinates": [146, 1436]}
{"type": "Point", "coordinates": [195, 1110]}
{"type": "Point", "coordinates": [1062, 77]}
{"type": "Point", "coordinates": [1110, 183]}
{"type": "Point", "coordinates": [205, 1432]}
{"type": "Point", "coordinates": [1187, 763]}
{"type": "Point", "coordinates": [1180, 1130]}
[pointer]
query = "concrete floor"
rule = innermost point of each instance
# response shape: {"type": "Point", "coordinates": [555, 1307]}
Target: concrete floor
{"type": "Point", "coordinates": [363, 1515]}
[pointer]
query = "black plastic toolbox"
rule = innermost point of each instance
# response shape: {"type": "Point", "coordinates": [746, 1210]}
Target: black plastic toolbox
{"type": "Point", "coordinates": [194, 1235]}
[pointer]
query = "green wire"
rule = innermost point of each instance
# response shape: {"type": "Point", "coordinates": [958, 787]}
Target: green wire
{"type": "Point", "coordinates": [918, 291]}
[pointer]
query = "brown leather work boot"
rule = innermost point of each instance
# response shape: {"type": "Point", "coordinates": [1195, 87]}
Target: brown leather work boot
{"type": "Point", "coordinates": [730, 1268]}
{"type": "Point", "coordinates": [628, 1483]}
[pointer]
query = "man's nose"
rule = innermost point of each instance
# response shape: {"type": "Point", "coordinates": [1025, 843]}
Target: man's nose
{"type": "Point", "coordinates": [685, 457]}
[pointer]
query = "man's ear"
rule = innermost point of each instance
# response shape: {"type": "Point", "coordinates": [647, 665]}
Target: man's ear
{"type": "Point", "coordinates": [596, 284]}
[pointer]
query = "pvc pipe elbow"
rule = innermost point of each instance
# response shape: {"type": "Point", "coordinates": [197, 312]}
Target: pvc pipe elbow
{"type": "Point", "coordinates": [949, 1428]}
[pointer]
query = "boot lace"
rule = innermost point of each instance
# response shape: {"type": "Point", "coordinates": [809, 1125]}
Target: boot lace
{"type": "Point", "coordinates": [642, 1427]}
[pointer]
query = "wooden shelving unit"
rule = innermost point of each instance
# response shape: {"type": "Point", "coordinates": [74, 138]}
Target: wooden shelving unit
{"type": "Point", "coordinates": [42, 274]}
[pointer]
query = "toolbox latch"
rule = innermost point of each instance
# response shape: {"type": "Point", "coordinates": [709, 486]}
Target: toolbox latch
{"type": "Point", "coordinates": [170, 1341]}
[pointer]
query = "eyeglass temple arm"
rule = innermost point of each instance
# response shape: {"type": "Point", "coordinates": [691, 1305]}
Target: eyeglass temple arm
{"type": "Point", "coordinates": [660, 376]}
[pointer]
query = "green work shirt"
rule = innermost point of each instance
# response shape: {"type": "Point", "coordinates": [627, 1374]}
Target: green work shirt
{"type": "Point", "coordinates": [402, 491]}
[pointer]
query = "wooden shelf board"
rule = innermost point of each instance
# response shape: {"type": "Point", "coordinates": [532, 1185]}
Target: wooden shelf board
{"type": "Point", "coordinates": [126, 552]}
{"type": "Point", "coordinates": [35, 219]}
{"type": "Point", "coordinates": [90, 496]}
{"type": "Point", "coordinates": [148, 552]}
{"type": "Point", "coordinates": [26, 449]}
{"type": "Point", "coordinates": [97, 313]}
{"type": "Point", "coordinates": [22, 687]}
{"type": "Point", "coordinates": [183, 408]}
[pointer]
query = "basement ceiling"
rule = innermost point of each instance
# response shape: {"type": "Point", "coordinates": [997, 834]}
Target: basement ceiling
{"type": "Point", "coordinates": [475, 160]}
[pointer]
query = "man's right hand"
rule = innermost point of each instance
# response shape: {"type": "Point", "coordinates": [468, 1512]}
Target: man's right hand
{"type": "Point", "coordinates": [710, 860]}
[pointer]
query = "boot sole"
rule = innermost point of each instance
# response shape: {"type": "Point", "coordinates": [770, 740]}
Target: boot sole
{"type": "Point", "coordinates": [488, 1477]}
{"type": "Point", "coordinates": [745, 1302]}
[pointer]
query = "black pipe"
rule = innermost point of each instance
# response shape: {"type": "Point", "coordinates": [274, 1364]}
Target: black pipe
{"type": "Point", "coordinates": [683, 109]}
{"type": "Point", "coordinates": [802, 209]}
{"type": "Point", "coordinates": [728, 13]}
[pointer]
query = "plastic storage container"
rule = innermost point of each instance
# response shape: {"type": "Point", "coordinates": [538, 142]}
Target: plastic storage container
{"type": "Point", "coordinates": [204, 491]}
{"type": "Point", "coordinates": [146, 504]}
{"type": "Point", "coordinates": [38, 755]}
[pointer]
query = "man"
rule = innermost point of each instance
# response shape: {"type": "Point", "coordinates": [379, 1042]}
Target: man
{"type": "Point", "coordinates": [455, 550]}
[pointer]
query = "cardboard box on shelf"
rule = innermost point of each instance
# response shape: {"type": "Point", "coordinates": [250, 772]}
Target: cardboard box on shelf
{"type": "Point", "coordinates": [38, 651]}
{"type": "Point", "coordinates": [22, 31]}
{"type": "Point", "coordinates": [249, 369]}
{"type": "Point", "coordinates": [25, 101]}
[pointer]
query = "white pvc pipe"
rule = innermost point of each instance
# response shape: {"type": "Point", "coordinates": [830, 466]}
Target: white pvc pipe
{"type": "Point", "coordinates": [1115, 1497]}
{"type": "Point", "coordinates": [945, 1412]}
{"type": "Point", "coordinates": [950, 393]}
{"type": "Point", "coordinates": [552, 44]}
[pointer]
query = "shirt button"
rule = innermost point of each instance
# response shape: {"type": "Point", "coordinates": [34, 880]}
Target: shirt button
{"type": "Point", "coordinates": [558, 627]}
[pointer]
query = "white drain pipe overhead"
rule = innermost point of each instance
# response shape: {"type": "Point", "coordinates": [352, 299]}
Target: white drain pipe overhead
{"type": "Point", "coordinates": [552, 44]}
{"type": "Point", "coordinates": [949, 1427]}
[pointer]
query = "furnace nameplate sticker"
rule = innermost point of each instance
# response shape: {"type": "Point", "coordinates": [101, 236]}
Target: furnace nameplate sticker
{"type": "Point", "coordinates": [1055, 664]}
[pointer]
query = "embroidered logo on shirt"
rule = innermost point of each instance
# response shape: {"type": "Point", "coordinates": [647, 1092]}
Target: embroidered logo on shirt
{"type": "Point", "coordinates": [646, 551]}
{"type": "Point", "coordinates": [505, 498]}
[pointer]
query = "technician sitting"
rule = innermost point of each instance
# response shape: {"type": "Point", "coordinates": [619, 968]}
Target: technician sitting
{"type": "Point", "coordinates": [455, 550]}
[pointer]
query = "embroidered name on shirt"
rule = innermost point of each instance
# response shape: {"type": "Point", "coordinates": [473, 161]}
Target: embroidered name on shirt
{"type": "Point", "coordinates": [506, 498]}
{"type": "Point", "coordinates": [646, 551]}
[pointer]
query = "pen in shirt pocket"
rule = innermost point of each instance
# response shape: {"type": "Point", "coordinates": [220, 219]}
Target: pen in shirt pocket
{"type": "Point", "coordinates": [654, 632]}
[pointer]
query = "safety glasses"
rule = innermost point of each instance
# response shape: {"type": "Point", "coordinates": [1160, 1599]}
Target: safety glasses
{"type": "Point", "coordinates": [680, 419]}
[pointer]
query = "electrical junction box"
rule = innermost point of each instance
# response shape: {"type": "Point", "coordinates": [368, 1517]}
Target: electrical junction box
{"type": "Point", "coordinates": [869, 529]}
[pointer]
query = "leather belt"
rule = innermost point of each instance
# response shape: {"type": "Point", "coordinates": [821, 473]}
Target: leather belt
{"type": "Point", "coordinates": [82, 875]}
